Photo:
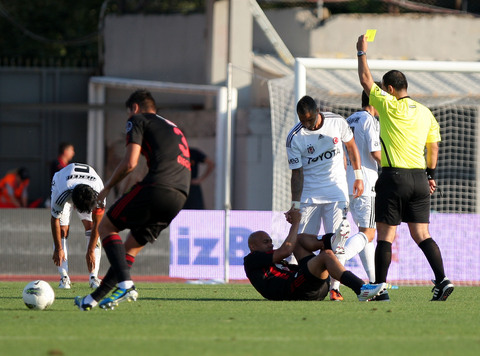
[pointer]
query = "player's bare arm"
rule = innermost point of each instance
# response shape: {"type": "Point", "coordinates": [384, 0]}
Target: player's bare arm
{"type": "Point", "coordinates": [296, 184]}
{"type": "Point", "coordinates": [432, 157]}
{"type": "Point", "coordinates": [97, 215]}
{"type": "Point", "coordinates": [287, 247]}
{"type": "Point", "coordinates": [377, 156]}
{"type": "Point", "coordinates": [126, 165]}
{"type": "Point", "coordinates": [366, 79]}
{"type": "Point", "coordinates": [354, 157]}
{"type": "Point", "coordinates": [58, 253]}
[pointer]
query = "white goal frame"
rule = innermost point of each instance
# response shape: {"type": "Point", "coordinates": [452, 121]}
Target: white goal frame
{"type": "Point", "coordinates": [226, 105]}
{"type": "Point", "coordinates": [301, 65]}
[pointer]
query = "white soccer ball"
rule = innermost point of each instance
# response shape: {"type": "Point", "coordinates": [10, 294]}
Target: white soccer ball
{"type": "Point", "coordinates": [38, 295]}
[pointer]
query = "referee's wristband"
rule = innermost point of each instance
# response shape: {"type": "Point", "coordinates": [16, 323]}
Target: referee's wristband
{"type": "Point", "coordinates": [430, 173]}
{"type": "Point", "coordinates": [358, 173]}
{"type": "Point", "coordinates": [296, 204]}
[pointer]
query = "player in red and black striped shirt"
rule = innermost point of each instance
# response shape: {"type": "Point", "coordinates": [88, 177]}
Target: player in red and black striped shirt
{"type": "Point", "coordinates": [150, 205]}
{"type": "Point", "coordinates": [275, 279]}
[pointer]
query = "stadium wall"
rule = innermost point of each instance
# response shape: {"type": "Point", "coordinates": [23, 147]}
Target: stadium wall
{"type": "Point", "coordinates": [193, 247]}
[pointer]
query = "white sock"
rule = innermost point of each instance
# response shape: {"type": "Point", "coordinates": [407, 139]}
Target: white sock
{"type": "Point", "coordinates": [63, 268]}
{"type": "Point", "coordinates": [97, 252]}
{"type": "Point", "coordinates": [367, 255]}
{"type": "Point", "coordinates": [125, 284]}
{"type": "Point", "coordinates": [89, 300]}
{"type": "Point", "coordinates": [334, 284]}
{"type": "Point", "coordinates": [355, 244]}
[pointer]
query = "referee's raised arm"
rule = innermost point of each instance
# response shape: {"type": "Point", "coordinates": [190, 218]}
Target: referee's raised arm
{"type": "Point", "coordinates": [366, 79]}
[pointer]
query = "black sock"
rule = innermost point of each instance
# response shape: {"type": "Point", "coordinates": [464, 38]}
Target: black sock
{"type": "Point", "coordinates": [115, 251]}
{"type": "Point", "coordinates": [434, 257]}
{"type": "Point", "coordinates": [327, 241]}
{"type": "Point", "coordinates": [109, 280]}
{"type": "Point", "coordinates": [383, 258]}
{"type": "Point", "coordinates": [351, 281]}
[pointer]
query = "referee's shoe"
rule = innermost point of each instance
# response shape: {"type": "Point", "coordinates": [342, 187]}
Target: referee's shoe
{"type": "Point", "coordinates": [442, 290]}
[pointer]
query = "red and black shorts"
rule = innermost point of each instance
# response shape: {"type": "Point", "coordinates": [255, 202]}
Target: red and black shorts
{"type": "Point", "coordinates": [402, 195]}
{"type": "Point", "coordinates": [146, 210]}
{"type": "Point", "coordinates": [305, 286]}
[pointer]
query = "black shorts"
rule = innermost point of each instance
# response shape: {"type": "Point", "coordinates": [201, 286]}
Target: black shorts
{"type": "Point", "coordinates": [305, 286]}
{"type": "Point", "coordinates": [402, 195]}
{"type": "Point", "coordinates": [146, 210]}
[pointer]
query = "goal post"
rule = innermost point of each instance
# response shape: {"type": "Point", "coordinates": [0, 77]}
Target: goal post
{"type": "Point", "coordinates": [226, 105]}
{"type": "Point", "coordinates": [451, 90]}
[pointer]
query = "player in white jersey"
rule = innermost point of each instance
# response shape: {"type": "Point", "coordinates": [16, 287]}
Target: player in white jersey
{"type": "Point", "coordinates": [318, 183]}
{"type": "Point", "coordinates": [366, 131]}
{"type": "Point", "coordinates": [76, 187]}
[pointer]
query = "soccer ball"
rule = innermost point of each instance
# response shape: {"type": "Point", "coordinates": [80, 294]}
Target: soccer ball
{"type": "Point", "coordinates": [38, 295]}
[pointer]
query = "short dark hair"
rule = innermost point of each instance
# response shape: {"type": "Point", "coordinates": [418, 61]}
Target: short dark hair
{"type": "Point", "coordinates": [23, 173]}
{"type": "Point", "coordinates": [143, 98]}
{"type": "Point", "coordinates": [63, 146]}
{"type": "Point", "coordinates": [84, 198]}
{"type": "Point", "coordinates": [396, 79]}
{"type": "Point", "coordinates": [365, 99]}
{"type": "Point", "coordinates": [366, 96]}
{"type": "Point", "coordinates": [306, 105]}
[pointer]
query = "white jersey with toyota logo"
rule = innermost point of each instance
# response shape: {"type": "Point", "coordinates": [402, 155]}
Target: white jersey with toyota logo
{"type": "Point", "coordinates": [320, 153]}
{"type": "Point", "coordinates": [68, 178]}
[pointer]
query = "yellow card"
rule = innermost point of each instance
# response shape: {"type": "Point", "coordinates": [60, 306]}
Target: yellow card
{"type": "Point", "coordinates": [370, 35]}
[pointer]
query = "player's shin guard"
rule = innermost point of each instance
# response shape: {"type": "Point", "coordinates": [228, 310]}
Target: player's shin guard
{"type": "Point", "coordinates": [383, 258]}
{"type": "Point", "coordinates": [97, 252]}
{"type": "Point", "coordinates": [355, 244]}
{"type": "Point", "coordinates": [63, 268]}
{"type": "Point", "coordinates": [367, 256]}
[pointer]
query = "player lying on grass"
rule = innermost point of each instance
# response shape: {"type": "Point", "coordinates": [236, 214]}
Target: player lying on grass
{"type": "Point", "coordinates": [275, 279]}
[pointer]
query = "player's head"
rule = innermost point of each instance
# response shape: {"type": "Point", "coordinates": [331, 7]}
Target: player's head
{"type": "Point", "coordinates": [23, 173]}
{"type": "Point", "coordinates": [84, 198]}
{"type": "Point", "coordinates": [366, 98]}
{"type": "Point", "coordinates": [395, 79]}
{"type": "Point", "coordinates": [260, 241]}
{"type": "Point", "coordinates": [142, 99]}
{"type": "Point", "coordinates": [66, 149]}
{"type": "Point", "coordinates": [307, 111]}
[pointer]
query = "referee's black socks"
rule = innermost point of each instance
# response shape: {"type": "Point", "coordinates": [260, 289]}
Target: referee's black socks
{"type": "Point", "coordinates": [434, 258]}
{"type": "Point", "coordinates": [383, 258]}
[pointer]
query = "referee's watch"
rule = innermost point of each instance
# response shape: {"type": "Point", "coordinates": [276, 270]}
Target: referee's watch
{"type": "Point", "coordinates": [361, 53]}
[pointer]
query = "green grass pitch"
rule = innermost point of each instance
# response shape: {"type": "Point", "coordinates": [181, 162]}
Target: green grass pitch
{"type": "Point", "coordinates": [233, 319]}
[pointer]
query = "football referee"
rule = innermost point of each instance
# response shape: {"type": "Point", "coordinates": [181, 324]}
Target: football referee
{"type": "Point", "coordinates": [406, 182]}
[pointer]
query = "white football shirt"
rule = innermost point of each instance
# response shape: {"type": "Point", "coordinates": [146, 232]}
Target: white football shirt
{"type": "Point", "coordinates": [68, 178]}
{"type": "Point", "coordinates": [320, 153]}
{"type": "Point", "coordinates": [366, 131]}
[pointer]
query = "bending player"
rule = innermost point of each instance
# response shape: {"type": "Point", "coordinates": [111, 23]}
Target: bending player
{"type": "Point", "coordinates": [78, 184]}
{"type": "Point", "coordinates": [275, 279]}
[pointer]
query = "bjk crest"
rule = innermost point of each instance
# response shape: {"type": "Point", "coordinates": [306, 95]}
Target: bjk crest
{"type": "Point", "coordinates": [310, 149]}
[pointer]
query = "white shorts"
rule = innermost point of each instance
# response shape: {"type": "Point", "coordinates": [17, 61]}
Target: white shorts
{"type": "Point", "coordinates": [67, 213]}
{"type": "Point", "coordinates": [363, 211]}
{"type": "Point", "coordinates": [331, 214]}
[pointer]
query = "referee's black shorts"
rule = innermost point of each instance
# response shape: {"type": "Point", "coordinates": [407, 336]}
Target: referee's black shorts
{"type": "Point", "coordinates": [146, 210]}
{"type": "Point", "coordinates": [403, 195]}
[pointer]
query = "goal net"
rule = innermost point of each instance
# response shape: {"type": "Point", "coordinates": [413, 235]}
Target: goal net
{"type": "Point", "coordinates": [452, 92]}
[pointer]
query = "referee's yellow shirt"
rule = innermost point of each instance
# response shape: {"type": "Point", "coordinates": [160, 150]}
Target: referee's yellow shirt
{"type": "Point", "coordinates": [405, 127]}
